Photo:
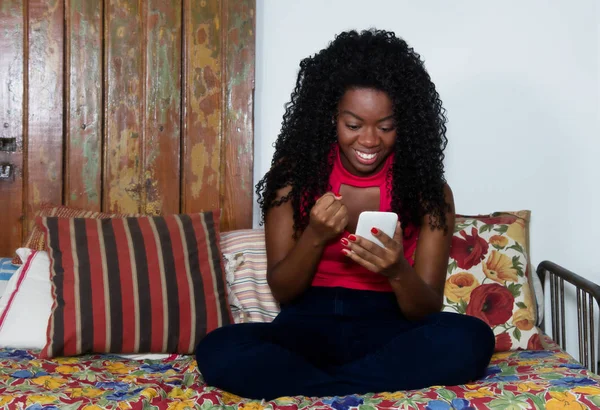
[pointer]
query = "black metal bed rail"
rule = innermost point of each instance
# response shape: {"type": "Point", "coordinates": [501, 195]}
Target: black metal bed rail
{"type": "Point", "coordinates": [587, 293]}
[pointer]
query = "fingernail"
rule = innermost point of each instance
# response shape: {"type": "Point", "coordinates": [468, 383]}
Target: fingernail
{"type": "Point", "coordinates": [374, 231]}
{"type": "Point", "coordinates": [346, 252]}
{"type": "Point", "coordinates": [344, 241]}
{"type": "Point", "coordinates": [338, 194]}
{"type": "Point", "coordinates": [352, 238]}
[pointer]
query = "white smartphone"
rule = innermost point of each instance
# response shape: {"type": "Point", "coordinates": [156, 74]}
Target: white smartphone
{"type": "Point", "coordinates": [384, 221]}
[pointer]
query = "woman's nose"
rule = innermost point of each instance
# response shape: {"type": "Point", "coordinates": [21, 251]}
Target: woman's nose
{"type": "Point", "coordinates": [368, 138]}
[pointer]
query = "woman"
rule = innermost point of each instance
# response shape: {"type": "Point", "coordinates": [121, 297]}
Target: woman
{"type": "Point", "coordinates": [364, 131]}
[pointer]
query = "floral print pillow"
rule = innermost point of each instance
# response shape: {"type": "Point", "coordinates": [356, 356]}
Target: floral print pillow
{"type": "Point", "coordinates": [488, 277]}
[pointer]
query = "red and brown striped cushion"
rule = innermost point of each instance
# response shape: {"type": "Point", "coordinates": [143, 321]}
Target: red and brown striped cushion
{"type": "Point", "coordinates": [134, 285]}
{"type": "Point", "coordinates": [35, 240]}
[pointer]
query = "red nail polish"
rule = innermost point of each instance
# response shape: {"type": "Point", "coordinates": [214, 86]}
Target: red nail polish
{"type": "Point", "coordinates": [374, 231]}
{"type": "Point", "coordinates": [344, 241]}
{"type": "Point", "coordinates": [346, 252]}
{"type": "Point", "coordinates": [352, 238]}
{"type": "Point", "coordinates": [338, 194]}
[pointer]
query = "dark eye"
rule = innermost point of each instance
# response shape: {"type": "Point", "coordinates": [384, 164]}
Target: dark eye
{"type": "Point", "coordinates": [353, 127]}
{"type": "Point", "coordinates": [387, 129]}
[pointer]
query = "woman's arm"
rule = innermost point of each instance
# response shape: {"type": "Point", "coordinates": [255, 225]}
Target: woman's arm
{"type": "Point", "coordinates": [419, 289]}
{"type": "Point", "coordinates": [292, 263]}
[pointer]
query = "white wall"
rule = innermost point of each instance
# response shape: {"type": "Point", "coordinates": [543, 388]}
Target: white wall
{"type": "Point", "coordinates": [520, 81]}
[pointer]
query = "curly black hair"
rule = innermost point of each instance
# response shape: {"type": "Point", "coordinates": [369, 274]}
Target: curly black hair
{"type": "Point", "coordinates": [369, 59]}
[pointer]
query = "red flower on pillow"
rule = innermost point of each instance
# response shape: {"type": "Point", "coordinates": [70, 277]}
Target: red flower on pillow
{"type": "Point", "coordinates": [535, 343]}
{"type": "Point", "coordinates": [503, 342]}
{"type": "Point", "coordinates": [469, 251]}
{"type": "Point", "coordinates": [499, 220]}
{"type": "Point", "coordinates": [491, 303]}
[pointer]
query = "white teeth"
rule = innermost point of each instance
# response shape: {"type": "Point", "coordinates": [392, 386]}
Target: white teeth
{"type": "Point", "coordinates": [365, 156]}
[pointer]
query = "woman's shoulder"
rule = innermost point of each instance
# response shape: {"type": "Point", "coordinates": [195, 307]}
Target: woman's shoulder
{"type": "Point", "coordinates": [283, 192]}
{"type": "Point", "coordinates": [449, 195]}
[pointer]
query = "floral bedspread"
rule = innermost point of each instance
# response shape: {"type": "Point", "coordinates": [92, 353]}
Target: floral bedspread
{"type": "Point", "coordinates": [515, 380]}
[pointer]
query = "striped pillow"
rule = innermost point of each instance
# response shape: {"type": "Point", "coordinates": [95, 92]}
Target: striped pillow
{"type": "Point", "coordinates": [250, 277]}
{"type": "Point", "coordinates": [35, 240]}
{"type": "Point", "coordinates": [134, 285]}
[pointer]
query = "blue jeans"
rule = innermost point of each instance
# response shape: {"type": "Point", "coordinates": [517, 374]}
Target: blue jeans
{"type": "Point", "coordinates": [336, 341]}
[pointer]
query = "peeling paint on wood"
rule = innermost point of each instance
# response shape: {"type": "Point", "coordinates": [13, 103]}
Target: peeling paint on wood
{"type": "Point", "coordinates": [45, 115]}
{"type": "Point", "coordinates": [139, 136]}
{"type": "Point", "coordinates": [83, 140]}
{"type": "Point", "coordinates": [202, 137]}
{"type": "Point", "coordinates": [125, 109]}
{"type": "Point", "coordinates": [11, 122]}
{"type": "Point", "coordinates": [163, 102]}
{"type": "Point", "coordinates": [238, 113]}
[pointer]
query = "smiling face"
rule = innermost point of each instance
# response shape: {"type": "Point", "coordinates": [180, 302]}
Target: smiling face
{"type": "Point", "coordinates": [366, 130]}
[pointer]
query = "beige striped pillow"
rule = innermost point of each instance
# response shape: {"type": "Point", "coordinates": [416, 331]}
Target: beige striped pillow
{"type": "Point", "coordinates": [249, 283]}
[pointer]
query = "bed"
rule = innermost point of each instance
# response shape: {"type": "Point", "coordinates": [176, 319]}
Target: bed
{"type": "Point", "coordinates": [519, 380]}
{"type": "Point", "coordinates": [549, 379]}
{"type": "Point", "coordinates": [108, 159]}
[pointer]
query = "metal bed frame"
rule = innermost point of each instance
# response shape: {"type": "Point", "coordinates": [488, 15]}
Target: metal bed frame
{"type": "Point", "coordinates": [587, 293]}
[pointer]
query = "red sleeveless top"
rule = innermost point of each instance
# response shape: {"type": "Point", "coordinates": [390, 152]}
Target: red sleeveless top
{"type": "Point", "coordinates": [337, 270]}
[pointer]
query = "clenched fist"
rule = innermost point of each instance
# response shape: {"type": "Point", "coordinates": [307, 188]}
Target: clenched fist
{"type": "Point", "coordinates": [328, 217]}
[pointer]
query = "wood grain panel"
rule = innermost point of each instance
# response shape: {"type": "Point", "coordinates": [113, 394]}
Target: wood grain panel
{"type": "Point", "coordinates": [126, 106]}
{"type": "Point", "coordinates": [83, 100]}
{"type": "Point", "coordinates": [12, 16]}
{"type": "Point", "coordinates": [44, 143]}
{"type": "Point", "coordinates": [124, 88]}
{"type": "Point", "coordinates": [237, 163]}
{"type": "Point", "coordinates": [163, 107]}
{"type": "Point", "coordinates": [203, 91]}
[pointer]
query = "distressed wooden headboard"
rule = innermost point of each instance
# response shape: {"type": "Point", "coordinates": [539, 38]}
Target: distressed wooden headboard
{"type": "Point", "coordinates": [125, 106]}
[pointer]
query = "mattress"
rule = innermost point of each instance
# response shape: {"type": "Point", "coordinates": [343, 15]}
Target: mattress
{"type": "Point", "coordinates": [516, 380]}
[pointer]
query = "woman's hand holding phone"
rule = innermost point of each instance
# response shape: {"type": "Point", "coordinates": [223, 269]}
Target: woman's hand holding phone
{"type": "Point", "coordinates": [388, 258]}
